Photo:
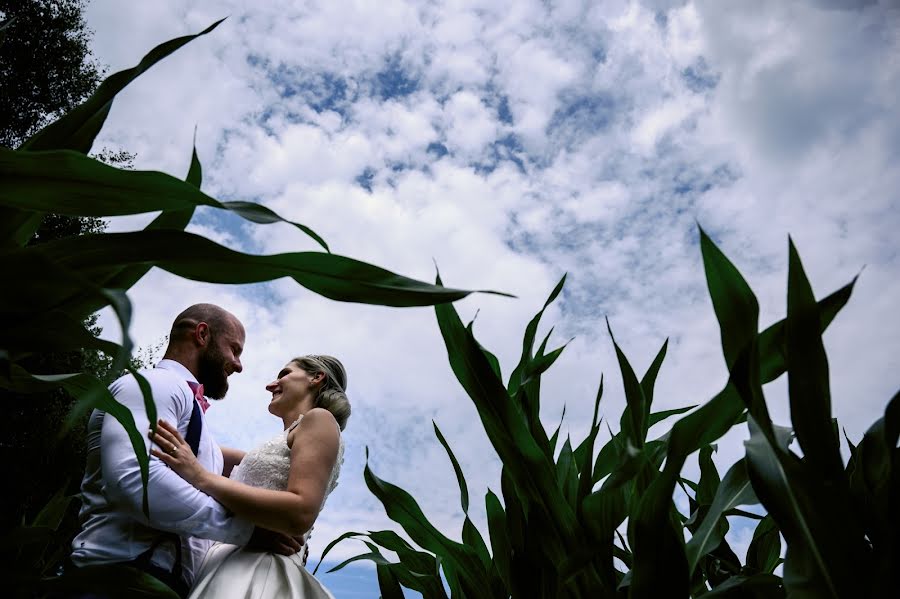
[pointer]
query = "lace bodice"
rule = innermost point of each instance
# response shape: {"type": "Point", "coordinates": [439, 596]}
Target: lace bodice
{"type": "Point", "coordinates": [267, 466]}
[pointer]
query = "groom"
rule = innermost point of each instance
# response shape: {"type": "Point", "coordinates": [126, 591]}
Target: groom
{"type": "Point", "coordinates": [117, 539]}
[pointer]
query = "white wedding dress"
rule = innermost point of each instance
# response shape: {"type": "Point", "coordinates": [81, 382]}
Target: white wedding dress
{"type": "Point", "coordinates": [230, 572]}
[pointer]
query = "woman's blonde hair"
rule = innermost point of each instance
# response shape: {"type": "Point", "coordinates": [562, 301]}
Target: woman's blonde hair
{"type": "Point", "coordinates": [332, 393]}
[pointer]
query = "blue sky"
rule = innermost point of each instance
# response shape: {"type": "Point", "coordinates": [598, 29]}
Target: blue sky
{"type": "Point", "coordinates": [512, 143]}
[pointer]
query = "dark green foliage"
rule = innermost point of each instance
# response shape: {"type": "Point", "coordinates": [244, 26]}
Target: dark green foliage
{"type": "Point", "coordinates": [557, 532]}
{"type": "Point", "coordinates": [46, 67]}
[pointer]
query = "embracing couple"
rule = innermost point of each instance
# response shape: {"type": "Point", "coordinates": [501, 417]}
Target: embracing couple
{"type": "Point", "coordinates": [221, 523]}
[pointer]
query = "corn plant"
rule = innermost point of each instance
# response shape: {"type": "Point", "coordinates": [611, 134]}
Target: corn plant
{"type": "Point", "coordinates": [575, 522]}
{"type": "Point", "coordinates": [51, 288]}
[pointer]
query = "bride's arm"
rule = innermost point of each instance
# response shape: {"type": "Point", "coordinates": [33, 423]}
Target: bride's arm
{"type": "Point", "coordinates": [232, 457]}
{"type": "Point", "coordinates": [313, 455]}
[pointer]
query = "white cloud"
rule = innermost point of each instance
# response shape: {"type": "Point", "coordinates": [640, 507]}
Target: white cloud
{"type": "Point", "coordinates": [628, 122]}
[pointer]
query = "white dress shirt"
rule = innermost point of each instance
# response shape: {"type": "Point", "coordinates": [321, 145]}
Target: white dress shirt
{"type": "Point", "coordinates": [113, 525]}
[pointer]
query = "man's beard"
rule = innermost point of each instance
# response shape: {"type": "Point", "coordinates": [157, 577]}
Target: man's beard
{"type": "Point", "coordinates": [211, 372]}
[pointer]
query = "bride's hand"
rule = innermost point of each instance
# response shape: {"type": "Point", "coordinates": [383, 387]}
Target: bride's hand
{"type": "Point", "coordinates": [176, 453]}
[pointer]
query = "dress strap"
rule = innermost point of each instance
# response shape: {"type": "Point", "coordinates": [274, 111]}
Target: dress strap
{"type": "Point", "coordinates": [294, 424]}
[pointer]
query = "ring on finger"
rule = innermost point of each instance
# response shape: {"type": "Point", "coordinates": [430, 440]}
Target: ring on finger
{"type": "Point", "coordinates": [173, 451]}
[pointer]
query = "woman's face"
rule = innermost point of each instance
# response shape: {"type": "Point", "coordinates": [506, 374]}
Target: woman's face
{"type": "Point", "coordinates": [291, 387]}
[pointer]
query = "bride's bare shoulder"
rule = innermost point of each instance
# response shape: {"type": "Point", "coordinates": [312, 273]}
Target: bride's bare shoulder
{"type": "Point", "coordinates": [318, 422]}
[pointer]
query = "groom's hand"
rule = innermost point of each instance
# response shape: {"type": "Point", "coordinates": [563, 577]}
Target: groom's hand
{"type": "Point", "coordinates": [275, 542]}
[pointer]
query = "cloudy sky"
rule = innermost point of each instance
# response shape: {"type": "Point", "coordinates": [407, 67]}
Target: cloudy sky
{"type": "Point", "coordinates": [512, 143]}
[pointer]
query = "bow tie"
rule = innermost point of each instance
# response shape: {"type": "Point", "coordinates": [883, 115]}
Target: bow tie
{"type": "Point", "coordinates": [197, 388]}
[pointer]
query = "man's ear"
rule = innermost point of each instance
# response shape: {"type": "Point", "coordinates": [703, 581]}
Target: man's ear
{"type": "Point", "coordinates": [202, 334]}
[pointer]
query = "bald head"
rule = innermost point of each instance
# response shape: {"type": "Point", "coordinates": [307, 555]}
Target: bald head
{"type": "Point", "coordinates": [218, 319]}
{"type": "Point", "coordinates": [208, 341]}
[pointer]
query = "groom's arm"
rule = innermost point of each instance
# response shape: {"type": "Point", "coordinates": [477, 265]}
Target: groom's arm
{"type": "Point", "coordinates": [175, 505]}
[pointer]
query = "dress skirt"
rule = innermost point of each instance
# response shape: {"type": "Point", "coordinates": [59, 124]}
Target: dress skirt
{"type": "Point", "coordinates": [231, 572]}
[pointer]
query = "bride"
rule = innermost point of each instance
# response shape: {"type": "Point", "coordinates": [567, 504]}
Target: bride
{"type": "Point", "coordinates": [280, 485]}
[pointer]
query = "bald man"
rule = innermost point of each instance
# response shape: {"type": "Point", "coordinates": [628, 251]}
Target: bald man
{"type": "Point", "coordinates": [117, 539]}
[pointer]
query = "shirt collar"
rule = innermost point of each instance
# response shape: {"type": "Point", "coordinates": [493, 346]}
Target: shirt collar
{"type": "Point", "coordinates": [177, 367]}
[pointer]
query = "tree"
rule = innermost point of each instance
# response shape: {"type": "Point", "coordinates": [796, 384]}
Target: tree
{"type": "Point", "coordinates": [46, 65]}
{"type": "Point", "coordinates": [46, 68]}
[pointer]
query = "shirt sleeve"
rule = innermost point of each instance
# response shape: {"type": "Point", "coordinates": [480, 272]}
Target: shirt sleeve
{"type": "Point", "coordinates": [175, 505]}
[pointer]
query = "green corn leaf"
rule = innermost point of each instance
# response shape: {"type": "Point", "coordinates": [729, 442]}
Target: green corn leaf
{"type": "Point", "coordinates": [632, 422]}
{"type": "Point", "coordinates": [472, 538]}
{"type": "Point", "coordinates": [417, 570]}
{"type": "Point", "coordinates": [543, 362]}
{"type": "Point", "coordinates": [195, 170]}
{"type": "Point", "coordinates": [660, 563]}
{"type": "Point", "coordinates": [67, 182]}
{"type": "Point", "coordinates": [193, 257]}
{"type": "Point", "coordinates": [118, 301]}
{"type": "Point", "coordinates": [53, 512]}
{"type": "Point", "coordinates": [734, 303]}
{"type": "Point", "coordinates": [110, 580]}
{"type": "Point", "coordinates": [585, 453]}
{"type": "Point", "coordinates": [387, 583]}
{"type": "Point", "coordinates": [734, 490]}
{"type": "Point", "coordinates": [42, 286]}
{"type": "Point", "coordinates": [709, 476]}
{"type": "Point", "coordinates": [542, 348]}
{"type": "Point", "coordinates": [721, 564]}
{"type": "Point", "coordinates": [177, 220]}
{"type": "Point", "coordinates": [89, 393]}
{"type": "Point", "coordinates": [604, 511]}
{"type": "Point", "coordinates": [417, 561]}
{"type": "Point", "coordinates": [506, 427]}
{"type": "Point", "coordinates": [331, 545]}
{"type": "Point", "coordinates": [17, 227]}
{"type": "Point", "coordinates": [57, 331]}
{"type": "Point", "coordinates": [529, 398]}
{"type": "Point", "coordinates": [814, 564]}
{"type": "Point", "coordinates": [606, 458]}
{"type": "Point", "coordinates": [495, 363]}
{"type": "Point", "coordinates": [567, 473]}
{"type": "Point", "coordinates": [500, 545]}
{"type": "Point", "coordinates": [431, 586]}
{"type": "Point", "coordinates": [458, 560]}
{"type": "Point", "coordinates": [555, 436]}
{"type": "Point", "coordinates": [428, 583]}
{"type": "Point", "coordinates": [689, 483]}
{"type": "Point", "coordinates": [514, 509]}
{"type": "Point", "coordinates": [772, 341]}
{"type": "Point", "coordinates": [372, 556]}
{"type": "Point", "coordinates": [764, 552]}
{"type": "Point", "coordinates": [657, 417]}
{"type": "Point", "coordinates": [460, 478]}
{"type": "Point", "coordinates": [77, 129]}
{"type": "Point", "coordinates": [874, 473]}
{"type": "Point", "coordinates": [743, 514]}
{"type": "Point", "coordinates": [515, 378]}
{"type": "Point", "coordinates": [648, 382]}
{"type": "Point", "coordinates": [807, 365]}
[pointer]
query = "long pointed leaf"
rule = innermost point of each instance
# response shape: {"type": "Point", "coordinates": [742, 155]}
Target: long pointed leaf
{"type": "Point", "coordinates": [460, 479]}
{"type": "Point", "coordinates": [734, 490]}
{"type": "Point", "coordinates": [77, 129]}
{"type": "Point", "coordinates": [66, 182]}
{"type": "Point", "coordinates": [193, 257]}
